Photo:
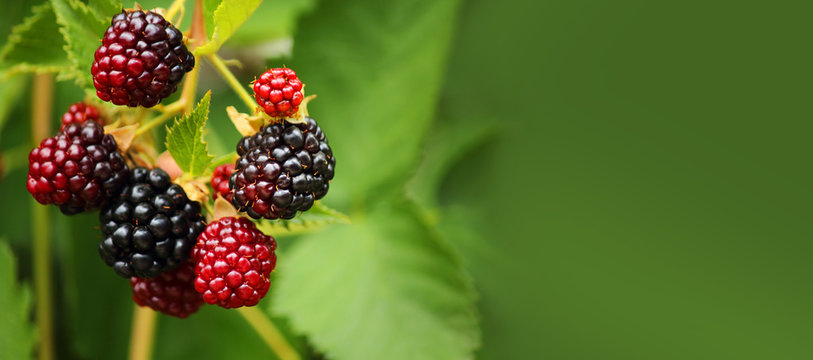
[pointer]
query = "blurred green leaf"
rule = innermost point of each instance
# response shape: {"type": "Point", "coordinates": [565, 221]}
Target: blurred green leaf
{"type": "Point", "coordinates": [228, 17]}
{"type": "Point", "coordinates": [185, 140]}
{"type": "Point", "coordinates": [209, 7]}
{"type": "Point", "coordinates": [377, 69]}
{"type": "Point", "coordinates": [386, 287]}
{"type": "Point", "coordinates": [211, 333]}
{"type": "Point", "coordinates": [35, 45]}
{"type": "Point", "coordinates": [17, 336]}
{"type": "Point", "coordinates": [445, 145]}
{"type": "Point", "coordinates": [82, 29]}
{"type": "Point", "coordinates": [95, 305]}
{"type": "Point", "coordinates": [319, 215]}
{"type": "Point", "coordinates": [272, 20]}
{"type": "Point", "coordinates": [105, 9]}
{"type": "Point", "coordinates": [10, 92]}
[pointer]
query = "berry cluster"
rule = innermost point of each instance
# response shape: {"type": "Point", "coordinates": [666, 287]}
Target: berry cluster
{"type": "Point", "coordinates": [282, 169]}
{"type": "Point", "coordinates": [278, 92]}
{"type": "Point", "coordinates": [150, 227]}
{"type": "Point", "coordinates": [220, 181]}
{"type": "Point", "coordinates": [141, 60]}
{"type": "Point", "coordinates": [233, 261]}
{"type": "Point", "coordinates": [152, 232]}
{"type": "Point", "coordinates": [78, 169]}
{"type": "Point", "coordinates": [79, 113]}
{"type": "Point", "coordinates": [172, 293]}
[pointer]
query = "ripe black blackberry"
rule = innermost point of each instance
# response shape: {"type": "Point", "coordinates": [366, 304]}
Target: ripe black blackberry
{"type": "Point", "coordinates": [150, 227]}
{"type": "Point", "coordinates": [78, 169]}
{"type": "Point", "coordinates": [282, 169]}
{"type": "Point", "coordinates": [141, 60]}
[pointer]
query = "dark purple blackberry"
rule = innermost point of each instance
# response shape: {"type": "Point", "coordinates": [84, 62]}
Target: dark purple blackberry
{"type": "Point", "coordinates": [141, 60]}
{"type": "Point", "coordinates": [282, 169]}
{"type": "Point", "coordinates": [78, 169]}
{"type": "Point", "coordinates": [151, 227]}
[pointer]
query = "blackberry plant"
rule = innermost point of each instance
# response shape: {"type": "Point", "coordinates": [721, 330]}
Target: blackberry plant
{"type": "Point", "coordinates": [189, 226]}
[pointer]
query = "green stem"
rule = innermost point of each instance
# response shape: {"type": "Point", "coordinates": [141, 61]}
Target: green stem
{"type": "Point", "coordinates": [170, 111]}
{"type": "Point", "coordinates": [41, 104]}
{"type": "Point", "coordinates": [269, 333]}
{"type": "Point", "coordinates": [173, 9]}
{"type": "Point", "coordinates": [142, 333]}
{"type": "Point", "coordinates": [224, 71]}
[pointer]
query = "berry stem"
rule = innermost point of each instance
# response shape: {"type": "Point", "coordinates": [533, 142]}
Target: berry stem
{"type": "Point", "coordinates": [176, 6]}
{"type": "Point", "coordinates": [41, 104]}
{"type": "Point", "coordinates": [169, 111]}
{"type": "Point", "coordinates": [142, 333]}
{"type": "Point", "coordinates": [224, 71]}
{"type": "Point", "coordinates": [269, 333]}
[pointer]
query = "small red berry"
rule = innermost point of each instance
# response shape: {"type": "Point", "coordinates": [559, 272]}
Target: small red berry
{"type": "Point", "coordinates": [79, 113]}
{"type": "Point", "coordinates": [279, 92]}
{"type": "Point", "coordinates": [172, 293]}
{"type": "Point", "coordinates": [233, 263]}
{"type": "Point", "coordinates": [220, 181]}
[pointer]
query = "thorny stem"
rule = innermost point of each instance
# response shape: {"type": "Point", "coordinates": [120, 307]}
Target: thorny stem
{"type": "Point", "coordinates": [227, 75]}
{"type": "Point", "coordinates": [269, 333]}
{"type": "Point", "coordinates": [142, 333]}
{"type": "Point", "coordinates": [41, 104]}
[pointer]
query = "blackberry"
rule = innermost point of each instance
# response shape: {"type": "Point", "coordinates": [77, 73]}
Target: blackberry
{"type": "Point", "coordinates": [172, 293]}
{"type": "Point", "coordinates": [279, 92]}
{"type": "Point", "coordinates": [233, 262]}
{"type": "Point", "coordinates": [78, 169]}
{"type": "Point", "coordinates": [141, 60]}
{"type": "Point", "coordinates": [220, 181]}
{"type": "Point", "coordinates": [79, 113]}
{"type": "Point", "coordinates": [282, 169]}
{"type": "Point", "coordinates": [150, 227]}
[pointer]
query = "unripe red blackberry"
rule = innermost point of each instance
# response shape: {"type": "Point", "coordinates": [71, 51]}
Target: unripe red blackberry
{"type": "Point", "coordinates": [150, 227]}
{"type": "Point", "coordinates": [282, 169]}
{"type": "Point", "coordinates": [141, 60]}
{"type": "Point", "coordinates": [220, 181]}
{"type": "Point", "coordinates": [233, 262]}
{"type": "Point", "coordinates": [78, 169]}
{"type": "Point", "coordinates": [79, 113]}
{"type": "Point", "coordinates": [172, 293]}
{"type": "Point", "coordinates": [279, 92]}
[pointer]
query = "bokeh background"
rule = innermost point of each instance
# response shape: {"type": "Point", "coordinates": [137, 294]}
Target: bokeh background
{"type": "Point", "coordinates": [622, 180]}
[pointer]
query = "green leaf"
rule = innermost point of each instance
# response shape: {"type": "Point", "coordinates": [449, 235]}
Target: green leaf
{"type": "Point", "coordinates": [82, 30]}
{"type": "Point", "coordinates": [10, 92]}
{"type": "Point", "coordinates": [377, 70]}
{"type": "Point", "coordinates": [35, 45]}
{"type": "Point", "coordinates": [315, 218]}
{"type": "Point", "coordinates": [209, 7]}
{"type": "Point", "coordinates": [447, 144]}
{"type": "Point", "coordinates": [228, 17]}
{"type": "Point", "coordinates": [185, 140]}
{"type": "Point", "coordinates": [105, 9]}
{"type": "Point", "coordinates": [386, 287]}
{"type": "Point", "coordinates": [271, 21]}
{"type": "Point", "coordinates": [17, 334]}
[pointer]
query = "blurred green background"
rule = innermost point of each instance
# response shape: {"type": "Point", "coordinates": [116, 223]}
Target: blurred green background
{"type": "Point", "coordinates": [622, 180]}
